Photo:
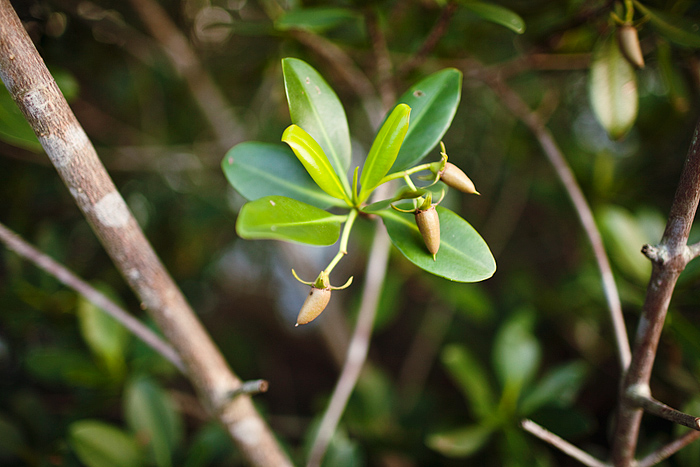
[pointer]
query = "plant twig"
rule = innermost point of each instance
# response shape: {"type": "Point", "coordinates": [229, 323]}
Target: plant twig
{"type": "Point", "coordinates": [668, 450]}
{"type": "Point", "coordinates": [438, 31]}
{"type": "Point", "coordinates": [669, 259]}
{"type": "Point", "coordinates": [561, 444]}
{"type": "Point", "coordinates": [359, 345]}
{"type": "Point", "coordinates": [211, 101]}
{"type": "Point", "coordinates": [15, 243]}
{"type": "Point", "coordinates": [37, 95]}
{"type": "Point", "coordinates": [521, 110]}
{"type": "Point", "coordinates": [655, 407]}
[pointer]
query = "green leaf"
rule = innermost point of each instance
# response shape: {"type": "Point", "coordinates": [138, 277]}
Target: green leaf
{"type": "Point", "coordinates": [105, 336]}
{"type": "Point", "coordinates": [260, 169]}
{"type": "Point", "coordinates": [516, 352]}
{"type": "Point", "coordinates": [676, 28]}
{"type": "Point", "coordinates": [612, 88]}
{"type": "Point", "coordinates": [316, 108]}
{"type": "Point", "coordinates": [403, 193]}
{"type": "Point", "coordinates": [497, 14]}
{"type": "Point", "coordinates": [14, 128]}
{"type": "Point", "coordinates": [98, 444]}
{"type": "Point", "coordinates": [463, 256]}
{"type": "Point", "coordinates": [471, 379]}
{"type": "Point", "coordinates": [151, 414]}
{"type": "Point", "coordinates": [281, 218]}
{"type": "Point", "coordinates": [433, 102]}
{"type": "Point", "coordinates": [558, 387]}
{"type": "Point", "coordinates": [461, 442]}
{"type": "Point", "coordinates": [315, 19]}
{"type": "Point", "coordinates": [384, 149]}
{"type": "Point", "coordinates": [315, 161]}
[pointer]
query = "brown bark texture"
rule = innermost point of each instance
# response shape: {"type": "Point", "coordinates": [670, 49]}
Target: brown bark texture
{"type": "Point", "coordinates": [34, 90]}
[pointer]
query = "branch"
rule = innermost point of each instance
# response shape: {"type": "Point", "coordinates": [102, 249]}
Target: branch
{"type": "Point", "coordinates": [644, 400]}
{"type": "Point", "coordinates": [520, 109]}
{"type": "Point", "coordinates": [561, 444]}
{"type": "Point", "coordinates": [671, 257]}
{"type": "Point", "coordinates": [15, 243]}
{"type": "Point", "coordinates": [670, 449]}
{"type": "Point", "coordinates": [438, 31]}
{"type": "Point", "coordinates": [35, 92]}
{"type": "Point", "coordinates": [207, 95]}
{"type": "Point", "coordinates": [359, 344]}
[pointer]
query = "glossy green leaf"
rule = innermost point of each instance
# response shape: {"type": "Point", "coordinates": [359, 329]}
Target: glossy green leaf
{"type": "Point", "coordinates": [433, 102]}
{"type": "Point", "coordinates": [496, 14]}
{"type": "Point", "coordinates": [150, 412]}
{"type": "Point", "coordinates": [98, 444]}
{"type": "Point", "coordinates": [261, 169]}
{"type": "Point", "coordinates": [315, 161]}
{"type": "Point", "coordinates": [470, 377]}
{"type": "Point", "coordinates": [105, 336]}
{"type": "Point", "coordinates": [315, 107]}
{"type": "Point", "coordinates": [384, 149]}
{"type": "Point", "coordinates": [612, 88]}
{"type": "Point", "coordinates": [281, 218]}
{"type": "Point", "coordinates": [676, 28]}
{"type": "Point", "coordinates": [315, 19]}
{"type": "Point", "coordinates": [461, 442]}
{"type": "Point", "coordinates": [463, 257]}
{"type": "Point", "coordinates": [516, 352]}
{"type": "Point", "coordinates": [559, 388]}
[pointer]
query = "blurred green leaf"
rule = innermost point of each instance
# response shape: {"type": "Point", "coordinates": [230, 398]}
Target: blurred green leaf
{"type": "Point", "coordinates": [433, 102]}
{"type": "Point", "coordinates": [14, 128]}
{"type": "Point", "coordinates": [59, 365]}
{"type": "Point", "coordinates": [463, 255]}
{"type": "Point", "coordinates": [105, 336]}
{"type": "Point", "coordinates": [343, 452]}
{"type": "Point", "coordinates": [150, 413]}
{"type": "Point", "coordinates": [516, 352]}
{"type": "Point", "coordinates": [260, 169]}
{"type": "Point", "coordinates": [314, 106]}
{"type": "Point", "coordinates": [12, 440]}
{"type": "Point", "coordinates": [209, 443]}
{"type": "Point", "coordinates": [315, 19]}
{"type": "Point", "coordinates": [676, 87]}
{"type": "Point", "coordinates": [676, 28]}
{"type": "Point", "coordinates": [625, 234]}
{"type": "Point", "coordinates": [612, 88]}
{"type": "Point", "coordinates": [98, 444]}
{"type": "Point", "coordinates": [315, 161]}
{"type": "Point", "coordinates": [384, 150]}
{"type": "Point", "coordinates": [558, 387]}
{"type": "Point", "coordinates": [281, 218]}
{"type": "Point", "coordinates": [471, 379]}
{"type": "Point", "coordinates": [496, 14]}
{"type": "Point", "coordinates": [461, 442]}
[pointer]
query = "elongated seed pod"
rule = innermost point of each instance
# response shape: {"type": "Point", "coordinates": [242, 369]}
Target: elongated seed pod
{"type": "Point", "coordinates": [429, 226]}
{"type": "Point", "coordinates": [453, 177]}
{"type": "Point", "coordinates": [629, 45]}
{"type": "Point", "coordinates": [315, 303]}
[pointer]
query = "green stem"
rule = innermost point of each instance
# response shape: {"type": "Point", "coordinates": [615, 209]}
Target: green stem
{"type": "Point", "coordinates": [629, 14]}
{"type": "Point", "coordinates": [409, 182]}
{"type": "Point", "coordinates": [403, 173]}
{"type": "Point", "coordinates": [343, 250]}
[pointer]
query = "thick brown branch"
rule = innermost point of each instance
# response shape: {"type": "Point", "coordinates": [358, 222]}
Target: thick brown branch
{"type": "Point", "coordinates": [35, 92]}
{"type": "Point", "coordinates": [671, 257]}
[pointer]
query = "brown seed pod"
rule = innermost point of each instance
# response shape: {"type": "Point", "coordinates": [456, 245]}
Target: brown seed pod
{"type": "Point", "coordinates": [628, 39]}
{"type": "Point", "coordinates": [315, 303]}
{"type": "Point", "coordinates": [453, 177]}
{"type": "Point", "coordinates": [429, 226]}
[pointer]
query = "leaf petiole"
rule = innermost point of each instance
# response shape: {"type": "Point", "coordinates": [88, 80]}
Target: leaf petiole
{"type": "Point", "coordinates": [345, 236]}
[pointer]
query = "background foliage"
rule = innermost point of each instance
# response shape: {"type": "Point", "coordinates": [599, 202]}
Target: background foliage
{"type": "Point", "coordinates": [452, 367]}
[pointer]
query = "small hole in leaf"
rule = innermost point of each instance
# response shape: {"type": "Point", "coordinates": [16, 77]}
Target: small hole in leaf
{"type": "Point", "coordinates": [418, 93]}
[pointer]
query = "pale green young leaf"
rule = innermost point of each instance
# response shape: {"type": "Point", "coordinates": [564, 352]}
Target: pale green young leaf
{"type": "Point", "coordinates": [261, 169]}
{"type": "Point", "coordinates": [471, 379]}
{"type": "Point", "coordinates": [315, 161]}
{"type": "Point", "coordinates": [612, 88]}
{"type": "Point", "coordinates": [281, 218]}
{"type": "Point", "coordinates": [315, 107]}
{"type": "Point", "coordinates": [384, 149]}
